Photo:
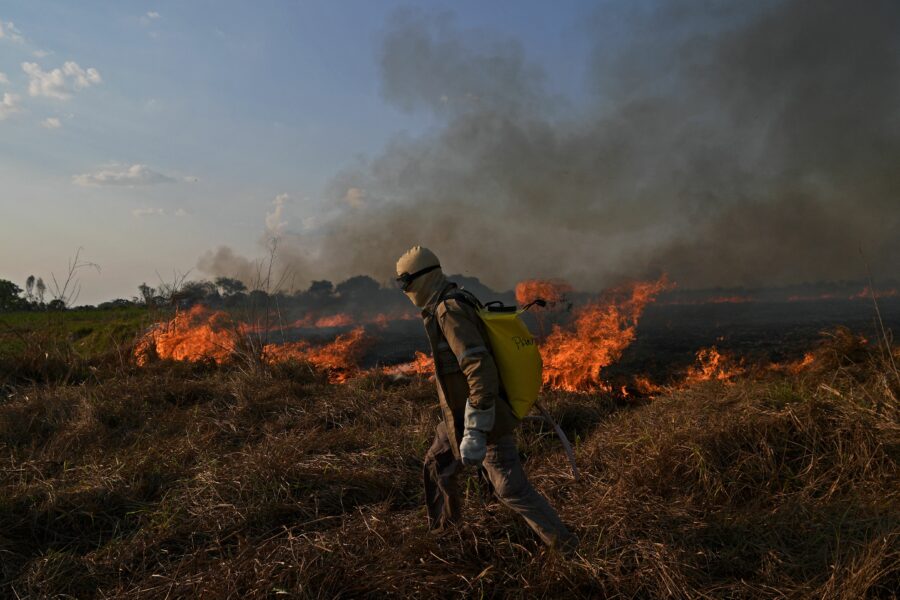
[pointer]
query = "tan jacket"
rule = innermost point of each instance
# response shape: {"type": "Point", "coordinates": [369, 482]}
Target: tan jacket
{"type": "Point", "coordinates": [464, 366]}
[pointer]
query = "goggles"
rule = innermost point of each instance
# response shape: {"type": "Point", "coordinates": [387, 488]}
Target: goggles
{"type": "Point", "coordinates": [405, 280]}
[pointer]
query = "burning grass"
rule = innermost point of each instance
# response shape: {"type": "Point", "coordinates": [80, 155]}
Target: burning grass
{"type": "Point", "coordinates": [575, 355]}
{"type": "Point", "coordinates": [338, 358]}
{"type": "Point", "coordinates": [575, 351]}
{"type": "Point", "coordinates": [204, 335]}
{"type": "Point", "coordinates": [185, 479]}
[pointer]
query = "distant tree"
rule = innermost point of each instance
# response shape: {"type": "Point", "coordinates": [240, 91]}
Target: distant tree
{"type": "Point", "coordinates": [258, 297]}
{"type": "Point", "coordinates": [29, 288]}
{"type": "Point", "coordinates": [228, 286]}
{"type": "Point", "coordinates": [147, 294]}
{"type": "Point", "coordinates": [9, 296]}
{"type": "Point", "coordinates": [117, 303]}
{"type": "Point", "coordinates": [196, 291]}
{"type": "Point", "coordinates": [360, 286]}
{"type": "Point", "coordinates": [320, 289]}
{"type": "Point", "coordinates": [40, 289]}
{"type": "Point", "coordinates": [56, 304]}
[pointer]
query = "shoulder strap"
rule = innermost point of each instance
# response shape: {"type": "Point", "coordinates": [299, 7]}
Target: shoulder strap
{"type": "Point", "coordinates": [463, 296]}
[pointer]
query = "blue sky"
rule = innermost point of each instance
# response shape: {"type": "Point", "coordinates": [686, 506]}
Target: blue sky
{"type": "Point", "coordinates": [150, 132]}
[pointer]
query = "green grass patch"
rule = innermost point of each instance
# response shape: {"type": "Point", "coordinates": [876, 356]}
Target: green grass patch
{"type": "Point", "coordinates": [89, 332]}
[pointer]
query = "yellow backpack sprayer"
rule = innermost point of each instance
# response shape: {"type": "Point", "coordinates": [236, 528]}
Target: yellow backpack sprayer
{"type": "Point", "coordinates": [518, 360]}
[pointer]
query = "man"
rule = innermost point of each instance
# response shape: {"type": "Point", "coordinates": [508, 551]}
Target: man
{"type": "Point", "coordinates": [478, 425]}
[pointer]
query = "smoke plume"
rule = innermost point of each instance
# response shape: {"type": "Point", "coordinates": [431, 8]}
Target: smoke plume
{"type": "Point", "coordinates": [752, 143]}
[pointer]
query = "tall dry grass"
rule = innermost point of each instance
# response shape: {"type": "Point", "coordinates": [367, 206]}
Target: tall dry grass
{"type": "Point", "coordinates": [196, 481]}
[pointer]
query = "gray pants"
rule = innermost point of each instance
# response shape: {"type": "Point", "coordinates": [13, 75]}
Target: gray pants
{"type": "Point", "coordinates": [503, 470]}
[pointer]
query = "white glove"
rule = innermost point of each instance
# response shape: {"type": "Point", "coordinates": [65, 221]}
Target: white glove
{"type": "Point", "coordinates": [478, 423]}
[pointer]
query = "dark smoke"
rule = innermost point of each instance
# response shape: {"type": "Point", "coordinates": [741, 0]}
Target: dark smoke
{"type": "Point", "coordinates": [753, 143]}
{"type": "Point", "coordinates": [224, 261]}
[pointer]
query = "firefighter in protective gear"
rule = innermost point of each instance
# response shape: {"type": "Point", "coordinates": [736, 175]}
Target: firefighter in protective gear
{"type": "Point", "coordinates": [478, 425]}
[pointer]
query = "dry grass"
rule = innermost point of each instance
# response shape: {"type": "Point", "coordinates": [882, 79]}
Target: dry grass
{"type": "Point", "coordinates": [195, 481]}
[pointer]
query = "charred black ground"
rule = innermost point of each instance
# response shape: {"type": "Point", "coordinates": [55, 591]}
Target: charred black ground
{"type": "Point", "coordinates": [672, 329]}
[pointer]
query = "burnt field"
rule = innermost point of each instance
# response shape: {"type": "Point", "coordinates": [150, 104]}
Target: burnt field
{"type": "Point", "coordinates": [668, 335]}
{"type": "Point", "coordinates": [244, 479]}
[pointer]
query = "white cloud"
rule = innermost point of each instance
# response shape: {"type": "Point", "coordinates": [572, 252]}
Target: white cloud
{"type": "Point", "coordinates": [9, 31]}
{"type": "Point", "coordinates": [180, 212]}
{"type": "Point", "coordinates": [51, 123]}
{"type": "Point", "coordinates": [273, 219]}
{"type": "Point", "coordinates": [83, 78]}
{"type": "Point", "coordinates": [51, 84]}
{"type": "Point", "coordinates": [148, 212]}
{"type": "Point", "coordinates": [121, 175]}
{"type": "Point", "coordinates": [149, 17]}
{"type": "Point", "coordinates": [60, 82]}
{"type": "Point", "coordinates": [41, 53]}
{"type": "Point", "coordinates": [3, 78]}
{"type": "Point", "coordinates": [9, 105]}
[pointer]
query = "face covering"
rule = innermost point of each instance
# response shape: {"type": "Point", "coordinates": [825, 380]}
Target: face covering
{"type": "Point", "coordinates": [422, 290]}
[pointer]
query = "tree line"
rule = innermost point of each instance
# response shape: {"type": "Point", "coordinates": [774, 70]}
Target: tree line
{"type": "Point", "coordinates": [359, 293]}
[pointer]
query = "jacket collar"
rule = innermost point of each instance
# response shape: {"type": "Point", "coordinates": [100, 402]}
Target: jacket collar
{"type": "Point", "coordinates": [429, 309]}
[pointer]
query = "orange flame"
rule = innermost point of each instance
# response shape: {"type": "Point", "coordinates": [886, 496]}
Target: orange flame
{"type": "Point", "coordinates": [729, 299]}
{"type": "Point", "coordinates": [797, 367]}
{"type": "Point", "coordinates": [644, 386]}
{"type": "Point", "coordinates": [339, 358]}
{"type": "Point", "coordinates": [553, 291]}
{"type": "Point", "coordinates": [338, 320]}
{"type": "Point", "coordinates": [794, 367]}
{"type": "Point", "coordinates": [194, 335]}
{"type": "Point", "coordinates": [866, 293]}
{"type": "Point", "coordinates": [712, 365]}
{"type": "Point", "coordinates": [203, 334]}
{"type": "Point", "coordinates": [314, 321]}
{"type": "Point", "coordinates": [574, 357]}
{"type": "Point", "coordinates": [382, 320]}
{"type": "Point", "coordinates": [802, 298]}
{"type": "Point", "coordinates": [421, 365]}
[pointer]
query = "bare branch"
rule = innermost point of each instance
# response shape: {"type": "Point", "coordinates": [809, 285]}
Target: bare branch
{"type": "Point", "coordinates": [68, 292]}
